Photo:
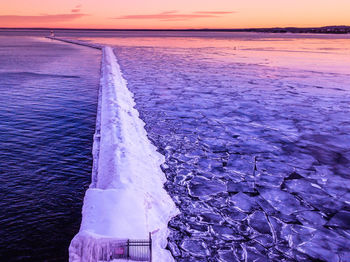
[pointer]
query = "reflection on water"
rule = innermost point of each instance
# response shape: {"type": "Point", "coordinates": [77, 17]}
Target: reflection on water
{"type": "Point", "coordinates": [47, 119]}
{"type": "Point", "coordinates": [255, 131]}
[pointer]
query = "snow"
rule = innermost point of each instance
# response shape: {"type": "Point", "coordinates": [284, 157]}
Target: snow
{"type": "Point", "coordinates": [126, 199]}
{"type": "Point", "coordinates": [76, 42]}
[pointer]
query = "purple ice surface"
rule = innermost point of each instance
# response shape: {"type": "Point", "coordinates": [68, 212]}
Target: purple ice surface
{"type": "Point", "coordinates": [255, 132]}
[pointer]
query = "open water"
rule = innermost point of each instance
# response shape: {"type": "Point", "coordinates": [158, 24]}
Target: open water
{"type": "Point", "coordinates": [48, 106]}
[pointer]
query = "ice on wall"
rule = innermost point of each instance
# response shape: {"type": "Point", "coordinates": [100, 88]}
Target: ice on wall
{"type": "Point", "coordinates": [126, 199]}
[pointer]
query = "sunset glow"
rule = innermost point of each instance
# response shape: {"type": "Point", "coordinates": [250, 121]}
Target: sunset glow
{"type": "Point", "coordinates": [175, 14]}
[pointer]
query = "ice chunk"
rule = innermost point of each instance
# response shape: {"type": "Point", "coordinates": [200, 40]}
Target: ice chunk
{"type": "Point", "coordinates": [341, 219]}
{"type": "Point", "coordinates": [259, 222]}
{"type": "Point", "coordinates": [202, 187]}
{"type": "Point", "coordinates": [304, 186]}
{"type": "Point", "coordinates": [211, 218]}
{"type": "Point", "coordinates": [227, 256]}
{"type": "Point", "coordinates": [244, 186]}
{"type": "Point", "coordinates": [282, 201]}
{"type": "Point", "coordinates": [311, 218]}
{"type": "Point", "coordinates": [224, 232]}
{"type": "Point", "coordinates": [327, 245]}
{"type": "Point", "coordinates": [243, 202]}
{"type": "Point", "coordinates": [232, 214]}
{"type": "Point", "coordinates": [196, 248]}
{"type": "Point", "coordinates": [268, 180]}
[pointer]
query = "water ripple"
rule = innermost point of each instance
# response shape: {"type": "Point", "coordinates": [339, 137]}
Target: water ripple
{"type": "Point", "coordinates": [47, 119]}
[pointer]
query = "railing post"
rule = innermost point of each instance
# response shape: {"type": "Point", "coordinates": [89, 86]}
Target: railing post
{"type": "Point", "coordinates": [150, 246]}
{"type": "Point", "coordinates": [127, 248]}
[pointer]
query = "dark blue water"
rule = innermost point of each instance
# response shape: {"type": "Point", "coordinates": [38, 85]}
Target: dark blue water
{"type": "Point", "coordinates": [47, 118]}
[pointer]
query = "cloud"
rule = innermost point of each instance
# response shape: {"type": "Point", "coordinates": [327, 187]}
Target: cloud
{"type": "Point", "coordinates": [176, 16]}
{"type": "Point", "coordinates": [215, 12]}
{"type": "Point", "coordinates": [23, 19]}
{"type": "Point", "coordinates": [76, 9]}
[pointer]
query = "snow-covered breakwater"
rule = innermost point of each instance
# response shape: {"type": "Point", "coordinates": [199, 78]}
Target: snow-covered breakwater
{"type": "Point", "coordinates": [126, 199]}
{"type": "Point", "coordinates": [77, 42]}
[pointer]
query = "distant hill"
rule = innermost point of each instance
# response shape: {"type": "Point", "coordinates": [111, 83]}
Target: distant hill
{"type": "Point", "coordinates": [315, 30]}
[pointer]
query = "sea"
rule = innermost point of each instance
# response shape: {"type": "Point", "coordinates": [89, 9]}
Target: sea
{"type": "Point", "coordinates": [254, 127]}
{"type": "Point", "coordinates": [48, 106]}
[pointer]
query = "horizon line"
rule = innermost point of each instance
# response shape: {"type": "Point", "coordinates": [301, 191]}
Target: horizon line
{"type": "Point", "coordinates": [169, 29]}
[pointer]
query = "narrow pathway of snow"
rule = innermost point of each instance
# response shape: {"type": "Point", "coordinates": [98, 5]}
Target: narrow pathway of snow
{"type": "Point", "coordinates": [126, 199]}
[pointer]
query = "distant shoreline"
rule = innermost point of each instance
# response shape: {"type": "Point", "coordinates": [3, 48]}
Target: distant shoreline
{"type": "Point", "coordinates": [297, 30]}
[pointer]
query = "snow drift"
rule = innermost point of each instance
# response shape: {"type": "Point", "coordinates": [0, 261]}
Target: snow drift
{"type": "Point", "coordinates": [126, 199]}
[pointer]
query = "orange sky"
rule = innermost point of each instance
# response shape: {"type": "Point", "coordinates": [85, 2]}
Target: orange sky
{"type": "Point", "coordinates": [173, 14]}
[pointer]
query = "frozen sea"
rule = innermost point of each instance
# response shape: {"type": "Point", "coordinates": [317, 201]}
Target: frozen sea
{"type": "Point", "coordinates": [256, 133]}
{"type": "Point", "coordinates": [254, 128]}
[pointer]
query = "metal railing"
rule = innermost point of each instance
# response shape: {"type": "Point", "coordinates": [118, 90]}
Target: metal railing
{"type": "Point", "coordinates": [136, 250]}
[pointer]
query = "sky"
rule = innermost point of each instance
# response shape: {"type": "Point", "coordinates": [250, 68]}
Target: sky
{"type": "Point", "coordinates": [179, 14]}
